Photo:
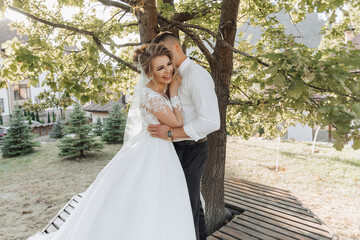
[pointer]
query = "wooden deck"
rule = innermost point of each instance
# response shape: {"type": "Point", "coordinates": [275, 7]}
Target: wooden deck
{"type": "Point", "coordinates": [61, 217]}
{"type": "Point", "coordinates": [268, 213]}
{"type": "Point", "coordinates": [265, 213]}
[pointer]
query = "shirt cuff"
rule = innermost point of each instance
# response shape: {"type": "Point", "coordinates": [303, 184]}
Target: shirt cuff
{"type": "Point", "coordinates": [189, 130]}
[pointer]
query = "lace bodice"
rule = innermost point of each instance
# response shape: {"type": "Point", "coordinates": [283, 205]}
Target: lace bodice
{"type": "Point", "coordinates": [154, 101]}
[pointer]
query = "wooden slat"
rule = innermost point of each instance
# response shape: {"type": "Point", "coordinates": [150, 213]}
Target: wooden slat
{"type": "Point", "coordinates": [278, 221]}
{"type": "Point", "coordinates": [286, 230]}
{"type": "Point", "coordinates": [261, 201]}
{"type": "Point", "coordinates": [58, 222]}
{"type": "Point", "coordinates": [265, 196]}
{"type": "Point", "coordinates": [69, 209]}
{"type": "Point", "coordinates": [236, 233]}
{"type": "Point", "coordinates": [249, 231]}
{"type": "Point", "coordinates": [64, 215]}
{"type": "Point", "coordinates": [51, 228]}
{"type": "Point", "coordinates": [258, 185]}
{"type": "Point", "coordinates": [266, 207]}
{"type": "Point", "coordinates": [253, 227]}
{"type": "Point", "coordinates": [212, 238]}
{"type": "Point", "coordinates": [281, 195]}
{"type": "Point", "coordinates": [259, 210]}
{"type": "Point", "coordinates": [224, 236]}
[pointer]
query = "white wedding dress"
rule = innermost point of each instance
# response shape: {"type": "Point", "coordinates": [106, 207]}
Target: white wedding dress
{"type": "Point", "coordinates": [140, 195]}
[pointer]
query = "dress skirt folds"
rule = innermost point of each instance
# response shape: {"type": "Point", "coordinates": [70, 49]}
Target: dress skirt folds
{"type": "Point", "coordinates": [140, 195]}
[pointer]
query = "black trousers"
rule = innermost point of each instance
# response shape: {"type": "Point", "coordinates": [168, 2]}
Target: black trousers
{"type": "Point", "coordinates": [192, 159]}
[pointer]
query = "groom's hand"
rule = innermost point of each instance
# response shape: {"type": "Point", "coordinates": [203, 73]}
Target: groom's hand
{"type": "Point", "coordinates": [158, 130]}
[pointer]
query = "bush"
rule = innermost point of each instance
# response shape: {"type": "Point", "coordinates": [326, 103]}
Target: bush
{"type": "Point", "coordinates": [114, 126]}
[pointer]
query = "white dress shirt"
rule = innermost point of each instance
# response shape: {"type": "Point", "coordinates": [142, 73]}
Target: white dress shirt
{"type": "Point", "coordinates": [198, 100]}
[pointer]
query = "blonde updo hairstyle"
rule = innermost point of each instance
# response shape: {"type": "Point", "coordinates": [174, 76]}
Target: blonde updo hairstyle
{"type": "Point", "coordinates": [144, 55]}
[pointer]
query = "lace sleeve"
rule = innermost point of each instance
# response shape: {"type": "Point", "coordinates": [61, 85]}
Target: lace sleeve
{"type": "Point", "coordinates": [153, 101]}
{"type": "Point", "coordinates": [175, 102]}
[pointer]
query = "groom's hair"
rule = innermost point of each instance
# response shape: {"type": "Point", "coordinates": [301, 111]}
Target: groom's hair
{"type": "Point", "coordinates": [165, 36]}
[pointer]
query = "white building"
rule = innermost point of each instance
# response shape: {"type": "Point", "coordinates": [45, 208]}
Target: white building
{"type": "Point", "coordinates": [16, 94]}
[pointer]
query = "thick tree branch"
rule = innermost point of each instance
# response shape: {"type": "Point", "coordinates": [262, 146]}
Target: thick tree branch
{"type": "Point", "coordinates": [103, 49]}
{"type": "Point", "coordinates": [81, 31]}
{"type": "Point", "coordinates": [331, 91]}
{"type": "Point", "coordinates": [55, 25]}
{"type": "Point", "coordinates": [216, 36]}
{"type": "Point", "coordinates": [183, 17]}
{"type": "Point", "coordinates": [112, 18]}
{"type": "Point", "coordinates": [250, 103]}
{"type": "Point", "coordinates": [116, 4]}
{"type": "Point", "coordinates": [123, 45]}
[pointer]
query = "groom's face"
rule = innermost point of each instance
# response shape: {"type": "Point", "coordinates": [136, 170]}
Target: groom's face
{"type": "Point", "coordinates": [172, 47]}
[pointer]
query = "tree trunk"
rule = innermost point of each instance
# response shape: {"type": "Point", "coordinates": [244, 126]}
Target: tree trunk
{"type": "Point", "coordinates": [221, 71]}
{"type": "Point", "coordinates": [148, 23]}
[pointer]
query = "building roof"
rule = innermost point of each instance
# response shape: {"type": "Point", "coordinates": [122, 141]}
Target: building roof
{"type": "Point", "coordinates": [95, 107]}
{"type": "Point", "coordinates": [7, 33]}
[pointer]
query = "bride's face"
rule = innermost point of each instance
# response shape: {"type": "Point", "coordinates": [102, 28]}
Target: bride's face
{"type": "Point", "coordinates": [162, 69]}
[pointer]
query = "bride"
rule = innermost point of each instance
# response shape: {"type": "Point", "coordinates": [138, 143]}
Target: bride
{"type": "Point", "coordinates": [141, 193]}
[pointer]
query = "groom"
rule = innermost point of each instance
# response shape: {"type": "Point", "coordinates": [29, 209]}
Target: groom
{"type": "Point", "coordinates": [201, 117]}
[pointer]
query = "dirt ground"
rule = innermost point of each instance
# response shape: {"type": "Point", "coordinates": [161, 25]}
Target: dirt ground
{"type": "Point", "coordinates": [35, 187]}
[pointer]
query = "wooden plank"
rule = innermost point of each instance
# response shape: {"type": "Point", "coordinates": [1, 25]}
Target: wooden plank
{"type": "Point", "coordinates": [51, 228]}
{"type": "Point", "coordinates": [287, 196]}
{"type": "Point", "coordinates": [271, 197]}
{"type": "Point", "coordinates": [270, 232]}
{"type": "Point", "coordinates": [78, 197]}
{"type": "Point", "coordinates": [259, 185]}
{"type": "Point", "coordinates": [58, 222]}
{"type": "Point", "coordinates": [260, 201]}
{"type": "Point", "coordinates": [258, 210]}
{"type": "Point", "coordinates": [284, 229]}
{"type": "Point", "coordinates": [252, 203]}
{"type": "Point", "coordinates": [68, 209]}
{"type": "Point", "coordinates": [249, 231]}
{"type": "Point", "coordinates": [278, 221]}
{"type": "Point", "coordinates": [223, 236]}
{"type": "Point", "coordinates": [235, 233]}
{"type": "Point", "coordinates": [72, 205]}
{"type": "Point", "coordinates": [64, 215]}
{"type": "Point", "coordinates": [212, 238]}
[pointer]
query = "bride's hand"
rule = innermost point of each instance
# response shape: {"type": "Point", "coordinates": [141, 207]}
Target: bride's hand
{"type": "Point", "coordinates": [175, 83]}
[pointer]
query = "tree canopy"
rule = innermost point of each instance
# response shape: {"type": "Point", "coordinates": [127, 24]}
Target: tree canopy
{"type": "Point", "coordinates": [273, 81]}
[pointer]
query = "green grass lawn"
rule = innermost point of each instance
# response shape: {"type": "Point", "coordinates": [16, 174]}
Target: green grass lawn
{"type": "Point", "coordinates": [33, 188]}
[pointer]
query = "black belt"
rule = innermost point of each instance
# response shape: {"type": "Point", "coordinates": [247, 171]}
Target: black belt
{"type": "Point", "coordinates": [189, 142]}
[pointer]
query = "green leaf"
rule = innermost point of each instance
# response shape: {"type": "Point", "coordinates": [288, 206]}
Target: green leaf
{"type": "Point", "coordinates": [356, 144]}
{"type": "Point", "coordinates": [338, 145]}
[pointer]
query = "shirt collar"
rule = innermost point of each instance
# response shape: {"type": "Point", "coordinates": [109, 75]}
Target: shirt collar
{"type": "Point", "coordinates": [183, 65]}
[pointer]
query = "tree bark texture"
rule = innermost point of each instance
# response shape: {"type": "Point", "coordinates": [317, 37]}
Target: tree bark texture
{"type": "Point", "coordinates": [221, 71]}
{"type": "Point", "coordinates": [148, 23]}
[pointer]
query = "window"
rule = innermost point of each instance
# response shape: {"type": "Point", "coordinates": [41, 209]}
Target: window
{"type": "Point", "coordinates": [37, 101]}
{"type": "Point", "coordinates": [2, 105]}
{"type": "Point", "coordinates": [20, 92]}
